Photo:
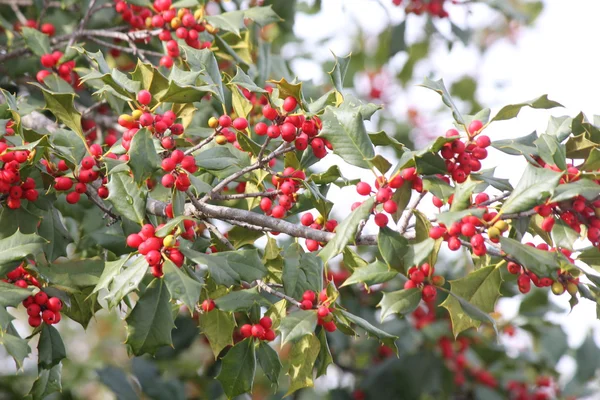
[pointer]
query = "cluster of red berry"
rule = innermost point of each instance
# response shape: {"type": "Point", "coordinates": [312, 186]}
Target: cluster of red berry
{"type": "Point", "coordinates": [8, 128]}
{"type": "Point", "coordinates": [11, 182]}
{"type": "Point", "coordinates": [40, 308]}
{"type": "Point", "coordinates": [324, 308]}
{"type": "Point", "coordinates": [64, 69]}
{"type": "Point", "coordinates": [544, 389]}
{"type": "Point", "coordinates": [21, 278]}
{"type": "Point", "coordinates": [162, 15]}
{"type": "Point", "coordinates": [162, 126]}
{"type": "Point", "coordinates": [422, 278]}
{"type": "Point", "coordinates": [318, 223]}
{"type": "Point", "coordinates": [385, 191]}
{"type": "Point", "coordinates": [472, 228]}
{"type": "Point", "coordinates": [293, 128]}
{"type": "Point", "coordinates": [177, 166]}
{"type": "Point", "coordinates": [434, 8]}
{"type": "Point", "coordinates": [224, 134]}
{"type": "Point", "coordinates": [153, 248]}
{"type": "Point", "coordinates": [564, 281]}
{"type": "Point", "coordinates": [462, 158]}
{"type": "Point", "coordinates": [88, 172]}
{"type": "Point", "coordinates": [261, 331]}
{"type": "Point", "coordinates": [286, 184]}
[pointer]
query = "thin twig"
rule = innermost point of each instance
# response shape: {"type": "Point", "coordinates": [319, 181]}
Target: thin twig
{"type": "Point", "coordinates": [84, 21]}
{"type": "Point", "coordinates": [408, 212]}
{"type": "Point", "coordinates": [268, 289]}
{"type": "Point", "coordinates": [203, 143]}
{"type": "Point", "coordinates": [258, 164]}
{"type": "Point", "coordinates": [495, 199]}
{"type": "Point", "coordinates": [14, 6]}
{"type": "Point", "coordinates": [238, 196]}
{"type": "Point", "coordinates": [135, 51]}
{"type": "Point", "coordinates": [263, 148]}
{"type": "Point", "coordinates": [215, 231]}
{"type": "Point", "coordinates": [94, 198]}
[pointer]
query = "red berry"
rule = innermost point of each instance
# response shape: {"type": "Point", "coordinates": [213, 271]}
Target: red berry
{"type": "Point", "coordinates": [381, 220]}
{"type": "Point", "coordinates": [278, 212]}
{"type": "Point", "coordinates": [429, 293]}
{"type": "Point", "coordinates": [144, 97]}
{"type": "Point", "coordinates": [153, 257]}
{"type": "Point", "coordinates": [306, 304]}
{"type": "Point", "coordinates": [483, 141]}
{"type": "Point", "coordinates": [48, 29]}
{"type": "Point", "coordinates": [475, 126]}
{"type": "Point", "coordinates": [312, 245]}
{"type": "Point", "coordinates": [363, 188]}
{"type": "Point", "coordinates": [269, 335]}
{"type": "Point", "coordinates": [390, 206]}
{"type": "Point", "coordinates": [34, 310]}
{"type": "Point", "coordinates": [40, 298]}
{"type": "Point", "coordinates": [323, 311]}
{"type": "Point", "coordinates": [289, 104]}
{"type": "Point", "coordinates": [269, 112]}
{"type": "Point", "coordinates": [246, 330]}
{"type": "Point", "coordinates": [35, 321]}
{"type": "Point", "coordinates": [260, 128]}
{"type": "Point", "coordinates": [42, 74]}
{"type": "Point", "coordinates": [309, 295]}
{"type": "Point", "coordinates": [166, 62]}
{"type": "Point", "coordinates": [330, 326]}
{"type": "Point", "coordinates": [48, 60]}
{"type": "Point", "coordinates": [49, 317]}
{"type": "Point", "coordinates": [225, 121]}
{"type": "Point", "coordinates": [266, 322]}
{"type": "Point", "coordinates": [54, 304]}
{"type": "Point", "coordinates": [240, 123]}
{"type": "Point", "coordinates": [417, 277]}
{"type": "Point", "coordinates": [307, 219]}
{"type": "Point", "coordinates": [208, 305]}
{"type": "Point", "coordinates": [258, 331]}
{"type": "Point", "coordinates": [548, 223]}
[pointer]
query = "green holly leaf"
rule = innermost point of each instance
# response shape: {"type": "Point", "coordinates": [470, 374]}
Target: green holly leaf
{"type": "Point", "coordinates": [345, 129]}
{"type": "Point", "coordinates": [449, 217]}
{"type": "Point", "coordinates": [63, 108]}
{"type": "Point", "coordinates": [241, 300]}
{"type": "Point", "coordinates": [72, 276]}
{"type": "Point", "coordinates": [38, 42]}
{"type": "Point", "coordinates": [51, 349]}
{"type": "Point", "coordinates": [268, 359]}
{"type": "Point", "coordinates": [177, 93]}
{"type": "Point", "coordinates": [82, 307]}
{"type": "Point", "coordinates": [346, 230]}
{"type": "Point", "coordinates": [551, 151]}
{"type": "Point", "coordinates": [11, 295]}
{"type": "Point", "coordinates": [511, 111]}
{"type": "Point", "coordinates": [182, 286]}
{"type": "Point", "coordinates": [338, 73]}
{"type": "Point", "coordinates": [125, 282]}
{"type": "Point", "coordinates": [110, 271]}
{"type": "Point", "coordinates": [402, 302]}
{"type": "Point", "coordinates": [204, 60]}
{"type": "Point", "coordinates": [150, 322]}
{"type": "Point", "coordinates": [262, 16]}
{"type": "Point", "coordinates": [53, 230]}
{"type": "Point", "coordinates": [392, 247]}
{"type": "Point", "coordinates": [372, 274]}
{"type": "Point", "coordinates": [18, 246]}
{"type": "Point", "coordinates": [324, 359]}
{"type": "Point", "coordinates": [563, 235]}
{"type": "Point", "coordinates": [462, 195]}
{"type": "Point", "coordinates": [297, 324]}
{"type": "Point", "coordinates": [243, 80]}
{"type": "Point", "coordinates": [372, 331]}
{"type": "Point", "coordinates": [583, 187]}
{"type": "Point", "coordinates": [47, 383]}
{"type": "Point", "coordinates": [127, 197]}
{"type": "Point", "coordinates": [238, 368]}
{"type": "Point", "coordinates": [218, 327]}
{"type": "Point", "coordinates": [475, 297]}
{"type": "Point", "coordinates": [16, 347]}
{"type": "Point", "coordinates": [535, 186]}
{"type": "Point", "coordinates": [521, 146]}
{"type": "Point", "coordinates": [438, 86]}
{"type": "Point", "coordinates": [230, 268]}
{"type": "Point", "coordinates": [143, 159]}
{"type": "Point", "coordinates": [301, 272]}
{"type": "Point", "coordinates": [150, 79]}
{"type": "Point", "coordinates": [540, 262]}
{"type": "Point", "coordinates": [302, 361]}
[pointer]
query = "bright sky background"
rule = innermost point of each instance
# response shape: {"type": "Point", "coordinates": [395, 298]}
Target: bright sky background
{"type": "Point", "coordinates": [549, 58]}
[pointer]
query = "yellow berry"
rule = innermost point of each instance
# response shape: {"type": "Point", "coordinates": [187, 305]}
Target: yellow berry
{"type": "Point", "coordinates": [320, 220]}
{"type": "Point", "coordinates": [175, 23]}
{"type": "Point", "coordinates": [220, 139]}
{"type": "Point", "coordinates": [572, 288]}
{"type": "Point", "coordinates": [136, 114]}
{"type": "Point", "coordinates": [126, 118]}
{"type": "Point", "coordinates": [169, 241]}
{"type": "Point", "coordinates": [501, 225]}
{"type": "Point", "coordinates": [558, 288]}
{"type": "Point", "coordinates": [181, 12]}
{"type": "Point", "coordinates": [210, 29]}
{"type": "Point", "coordinates": [199, 14]}
{"type": "Point", "coordinates": [213, 122]}
{"type": "Point", "coordinates": [493, 232]}
{"type": "Point", "coordinates": [438, 280]}
{"type": "Point", "coordinates": [148, 22]}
